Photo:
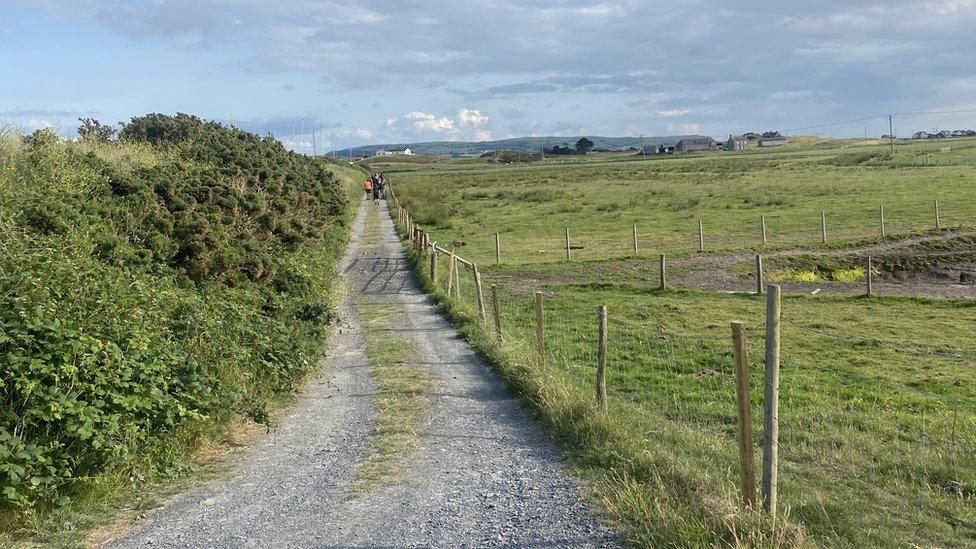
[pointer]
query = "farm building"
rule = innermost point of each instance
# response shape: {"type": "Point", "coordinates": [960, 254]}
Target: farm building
{"type": "Point", "coordinates": [695, 144]}
{"type": "Point", "coordinates": [407, 152]}
{"type": "Point", "coordinates": [737, 143]}
{"type": "Point", "coordinates": [774, 141]}
{"type": "Point", "coordinates": [659, 149]}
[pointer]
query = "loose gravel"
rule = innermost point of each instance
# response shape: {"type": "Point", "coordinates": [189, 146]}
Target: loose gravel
{"type": "Point", "coordinates": [484, 473]}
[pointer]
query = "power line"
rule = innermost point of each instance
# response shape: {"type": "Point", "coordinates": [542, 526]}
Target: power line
{"type": "Point", "coordinates": [834, 123]}
{"type": "Point", "coordinates": [965, 111]}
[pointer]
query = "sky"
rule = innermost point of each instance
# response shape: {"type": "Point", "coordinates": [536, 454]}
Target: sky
{"type": "Point", "coordinates": [353, 73]}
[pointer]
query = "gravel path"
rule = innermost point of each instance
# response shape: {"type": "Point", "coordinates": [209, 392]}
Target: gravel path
{"type": "Point", "coordinates": [484, 475]}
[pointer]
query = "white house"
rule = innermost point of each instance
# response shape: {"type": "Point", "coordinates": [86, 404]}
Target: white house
{"type": "Point", "coordinates": [407, 152]}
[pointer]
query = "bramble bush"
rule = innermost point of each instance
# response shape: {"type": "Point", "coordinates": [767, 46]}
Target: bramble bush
{"type": "Point", "coordinates": [150, 288]}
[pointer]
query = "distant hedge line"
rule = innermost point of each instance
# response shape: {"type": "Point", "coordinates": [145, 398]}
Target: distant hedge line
{"type": "Point", "coordinates": [150, 289]}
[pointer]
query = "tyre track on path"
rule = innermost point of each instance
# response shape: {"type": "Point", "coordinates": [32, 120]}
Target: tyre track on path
{"type": "Point", "coordinates": [484, 474]}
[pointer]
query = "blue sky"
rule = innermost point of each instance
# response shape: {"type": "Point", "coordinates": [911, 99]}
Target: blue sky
{"type": "Point", "coordinates": [394, 71]}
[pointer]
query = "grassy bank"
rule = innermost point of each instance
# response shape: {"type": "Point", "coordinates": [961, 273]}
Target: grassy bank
{"type": "Point", "coordinates": [153, 291]}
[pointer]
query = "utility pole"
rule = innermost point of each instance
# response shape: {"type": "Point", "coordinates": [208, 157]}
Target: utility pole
{"type": "Point", "coordinates": [314, 146]}
{"type": "Point", "coordinates": [891, 137]}
{"type": "Point", "coordinates": [643, 155]}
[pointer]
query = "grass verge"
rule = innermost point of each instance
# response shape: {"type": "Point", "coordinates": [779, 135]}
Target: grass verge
{"type": "Point", "coordinates": [402, 385]}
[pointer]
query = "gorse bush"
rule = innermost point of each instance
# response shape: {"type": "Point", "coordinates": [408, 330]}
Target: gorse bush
{"type": "Point", "coordinates": [149, 289]}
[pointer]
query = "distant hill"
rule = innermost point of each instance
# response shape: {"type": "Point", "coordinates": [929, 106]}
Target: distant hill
{"type": "Point", "coordinates": [520, 144]}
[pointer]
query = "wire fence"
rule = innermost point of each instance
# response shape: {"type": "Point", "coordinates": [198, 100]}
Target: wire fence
{"type": "Point", "coordinates": [610, 238]}
{"type": "Point", "coordinates": [687, 376]}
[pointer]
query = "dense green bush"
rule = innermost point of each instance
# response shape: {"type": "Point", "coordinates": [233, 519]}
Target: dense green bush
{"type": "Point", "coordinates": [150, 288]}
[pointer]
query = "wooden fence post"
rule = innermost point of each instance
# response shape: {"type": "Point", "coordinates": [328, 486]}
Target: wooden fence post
{"type": "Point", "coordinates": [870, 276]}
{"type": "Point", "coordinates": [540, 333]}
{"type": "Point", "coordinates": [451, 273]}
{"type": "Point", "coordinates": [635, 240]}
{"type": "Point", "coordinates": [569, 255]}
{"type": "Point", "coordinates": [498, 249]}
{"type": "Point", "coordinates": [762, 226]}
{"type": "Point", "coordinates": [433, 265]}
{"type": "Point", "coordinates": [770, 463]}
{"type": "Point", "coordinates": [601, 361]}
{"type": "Point", "coordinates": [701, 237]}
{"type": "Point", "coordinates": [759, 274]}
{"type": "Point", "coordinates": [938, 223]}
{"type": "Point", "coordinates": [457, 279]}
{"type": "Point", "coordinates": [664, 279]}
{"type": "Point", "coordinates": [881, 211]}
{"type": "Point", "coordinates": [823, 226]}
{"type": "Point", "coordinates": [496, 310]}
{"type": "Point", "coordinates": [747, 471]}
{"type": "Point", "coordinates": [479, 294]}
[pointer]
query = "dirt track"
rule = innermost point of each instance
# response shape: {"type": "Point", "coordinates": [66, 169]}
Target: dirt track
{"type": "Point", "coordinates": [484, 473]}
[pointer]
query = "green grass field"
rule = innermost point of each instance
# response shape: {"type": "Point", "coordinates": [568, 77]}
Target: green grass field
{"type": "Point", "coordinates": [600, 202]}
{"type": "Point", "coordinates": [877, 414]}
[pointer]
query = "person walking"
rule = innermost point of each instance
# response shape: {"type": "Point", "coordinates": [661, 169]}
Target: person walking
{"type": "Point", "coordinates": [380, 188]}
{"type": "Point", "coordinates": [368, 186]}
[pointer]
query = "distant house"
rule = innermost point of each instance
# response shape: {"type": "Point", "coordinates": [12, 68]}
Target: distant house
{"type": "Point", "coordinates": [737, 143]}
{"type": "Point", "coordinates": [751, 136]}
{"type": "Point", "coordinates": [689, 144]}
{"type": "Point", "coordinates": [774, 141]}
{"type": "Point", "coordinates": [960, 133]}
{"type": "Point", "coordinates": [921, 135]}
{"type": "Point", "coordinates": [382, 152]}
{"type": "Point", "coordinates": [407, 152]}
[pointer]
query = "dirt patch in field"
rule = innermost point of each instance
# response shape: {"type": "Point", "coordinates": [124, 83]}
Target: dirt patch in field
{"type": "Point", "coordinates": [939, 265]}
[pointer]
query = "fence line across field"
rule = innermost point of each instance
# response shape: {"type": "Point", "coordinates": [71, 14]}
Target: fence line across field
{"type": "Point", "coordinates": [602, 243]}
{"type": "Point", "coordinates": [604, 350]}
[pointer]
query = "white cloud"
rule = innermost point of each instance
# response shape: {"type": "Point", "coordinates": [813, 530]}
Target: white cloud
{"type": "Point", "coordinates": [671, 113]}
{"type": "Point", "coordinates": [364, 134]}
{"type": "Point", "coordinates": [431, 57]}
{"type": "Point", "coordinates": [423, 121]}
{"type": "Point", "coordinates": [471, 117]}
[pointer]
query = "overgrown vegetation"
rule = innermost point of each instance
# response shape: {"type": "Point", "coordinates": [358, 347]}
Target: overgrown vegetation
{"type": "Point", "coordinates": [150, 289]}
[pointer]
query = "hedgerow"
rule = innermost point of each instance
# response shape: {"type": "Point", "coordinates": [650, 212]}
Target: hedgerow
{"type": "Point", "coordinates": [149, 289]}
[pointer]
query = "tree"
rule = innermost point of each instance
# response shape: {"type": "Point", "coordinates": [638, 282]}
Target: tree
{"type": "Point", "coordinates": [93, 129]}
{"type": "Point", "coordinates": [584, 145]}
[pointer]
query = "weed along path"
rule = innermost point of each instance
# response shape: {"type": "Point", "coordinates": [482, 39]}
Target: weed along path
{"type": "Point", "coordinates": [406, 439]}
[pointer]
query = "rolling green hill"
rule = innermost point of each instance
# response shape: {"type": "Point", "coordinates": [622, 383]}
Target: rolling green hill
{"type": "Point", "coordinates": [521, 144]}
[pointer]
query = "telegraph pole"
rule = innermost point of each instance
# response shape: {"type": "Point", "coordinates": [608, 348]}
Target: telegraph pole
{"type": "Point", "coordinates": [891, 137]}
{"type": "Point", "coordinates": [643, 154]}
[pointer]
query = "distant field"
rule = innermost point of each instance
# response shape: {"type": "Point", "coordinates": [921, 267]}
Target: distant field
{"type": "Point", "coordinates": [878, 418]}
{"type": "Point", "coordinates": [530, 206]}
